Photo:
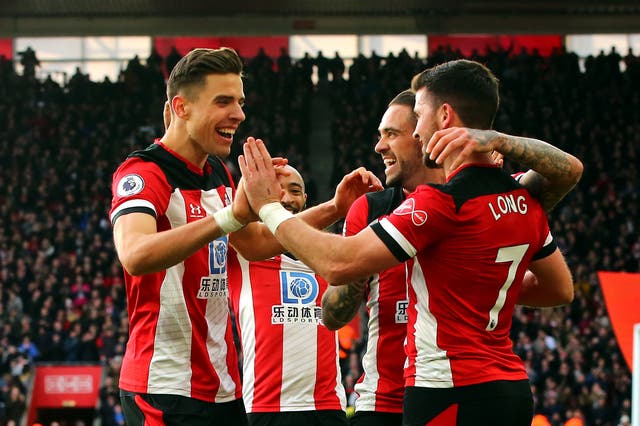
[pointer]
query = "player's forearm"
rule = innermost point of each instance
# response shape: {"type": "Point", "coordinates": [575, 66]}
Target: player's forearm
{"type": "Point", "coordinates": [340, 304]}
{"type": "Point", "coordinates": [322, 215]}
{"type": "Point", "coordinates": [553, 172]}
{"type": "Point", "coordinates": [144, 253]}
{"type": "Point", "coordinates": [313, 247]}
{"type": "Point", "coordinates": [330, 255]}
{"type": "Point", "coordinates": [255, 242]}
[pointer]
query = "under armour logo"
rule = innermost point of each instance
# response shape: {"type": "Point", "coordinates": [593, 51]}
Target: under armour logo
{"type": "Point", "coordinates": [418, 217]}
{"type": "Point", "coordinates": [196, 211]}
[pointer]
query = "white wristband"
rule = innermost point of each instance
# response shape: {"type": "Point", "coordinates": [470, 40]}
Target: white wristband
{"type": "Point", "coordinates": [273, 214]}
{"type": "Point", "coordinates": [226, 220]}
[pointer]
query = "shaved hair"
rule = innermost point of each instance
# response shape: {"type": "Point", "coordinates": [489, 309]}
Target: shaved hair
{"type": "Point", "coordinates": [296, 173]}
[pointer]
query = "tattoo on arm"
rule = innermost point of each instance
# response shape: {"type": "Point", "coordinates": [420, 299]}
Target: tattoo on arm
{"type": "Point", "coordinates": [340, 303]}
{"type": "Point", "coordinates": [555, 171]}
{"type": "Point", "coordinates": [546, 193]}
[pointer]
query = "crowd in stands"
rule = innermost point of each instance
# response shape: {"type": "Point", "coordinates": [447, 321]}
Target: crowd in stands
{"type": "Point", "coordinates": [61, 289]}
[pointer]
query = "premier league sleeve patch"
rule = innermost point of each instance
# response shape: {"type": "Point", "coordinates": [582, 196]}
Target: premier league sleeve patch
{"type": "Point", "coordinates": [130, 185]}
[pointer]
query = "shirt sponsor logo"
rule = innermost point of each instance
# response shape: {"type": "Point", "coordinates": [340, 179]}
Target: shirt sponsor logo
{"type": "Point", "coordinates": [130, 185]}
{"type": "Point", "coordinates": [212, 287]}
{"type": "Point", "coordinates": [401, 312]}
{"type": "Point", "coordinates": [298, 287]}
{"type": "Point", "coordinates": [299, 291]}
{"type": "Point", "coordinates": [296, 314]}
{"type": "Point", "coordinates": [418, 217]}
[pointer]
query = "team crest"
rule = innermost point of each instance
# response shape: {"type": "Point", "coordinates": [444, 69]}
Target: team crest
{"type": "Point", "coordinates": [215, 284]}
{"type": "Point", "coordinates": [130, 185]}
{"type": "Point", "coordinates": [218, 256]}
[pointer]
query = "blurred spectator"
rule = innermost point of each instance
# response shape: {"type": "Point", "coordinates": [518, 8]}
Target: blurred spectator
{"type": "Point", "coordinates": [29, 61]}
{"type": "Point", "coordinates": [283, 61]}
{"type": "Point", "coordinates": [172, 59]}
{"type": "Point", "coordinates": [15, 405]}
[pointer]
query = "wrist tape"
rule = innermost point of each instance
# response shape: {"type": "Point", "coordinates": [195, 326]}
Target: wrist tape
{"type": "Point", "coordinates": [273, 214]}
{"type": "Point", "coordinates": [226, 220]}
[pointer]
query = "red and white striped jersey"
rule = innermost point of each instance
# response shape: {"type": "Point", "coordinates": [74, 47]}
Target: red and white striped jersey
{"type": "Point", "coordinates": [180, 334]}
{"type": "Point", "coordinates": [381, 387]}
{"type": "Point", "coordinates": [290, 359]}
{"type": "Point", "coordinates": [473, 239]}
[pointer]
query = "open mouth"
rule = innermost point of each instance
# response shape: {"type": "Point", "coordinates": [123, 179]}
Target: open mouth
{"type": "Point", "coordinates": [388, 162]}
{"type": "Point", "coordinates": [226, 133]}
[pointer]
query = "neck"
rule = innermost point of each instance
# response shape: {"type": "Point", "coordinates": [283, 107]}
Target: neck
{"type": "Point", "coordinates": [177, 139]}
{"type": "Point", "coordinates": [426, 175]}
{"type": "Point", "coordinates": [473, 158]}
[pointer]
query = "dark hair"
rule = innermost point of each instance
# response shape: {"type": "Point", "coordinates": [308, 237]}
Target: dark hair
{"type": "Point", "coordinates": [468, 86]}
{"type": "Point", "coordinates": [193, 68]}
{"type": "Point", "coordinates": [406, 98]}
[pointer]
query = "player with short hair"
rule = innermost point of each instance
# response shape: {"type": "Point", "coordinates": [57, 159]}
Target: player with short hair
{"type": "Point", "coordinates": [472, 240]}
{"type": "Point", "coordinates": [380, 389]}
{"type": "Point", "coordinates": [291, 374]}
{"type": "Point", "coordinates": [171, 213]}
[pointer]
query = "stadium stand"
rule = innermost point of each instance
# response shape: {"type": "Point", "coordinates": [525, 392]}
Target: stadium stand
{"type": "Point", "coordinates": [61, 291]}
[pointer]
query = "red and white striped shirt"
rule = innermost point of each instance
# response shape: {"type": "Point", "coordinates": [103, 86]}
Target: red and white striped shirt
{"type": "Point", "coordinates": [180, 335]}
{"type": "Point", "coordinates": [290, 359]}
{"type": "Point", "coordinates": [381, 387]}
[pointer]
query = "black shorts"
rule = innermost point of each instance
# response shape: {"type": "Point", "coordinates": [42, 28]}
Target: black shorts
{"type": "Point", "coordinates": [375, 418]}
{"type": "Point", "coordinates": [299, 418]}
{"type": "Point", "coordinates": [499, 403]}
{"type": "Point", "coordinates": [176, 410]}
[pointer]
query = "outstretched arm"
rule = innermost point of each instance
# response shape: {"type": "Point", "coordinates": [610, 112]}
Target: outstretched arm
{"type": "Point", "coordinates": [340, 260]}
{"type": "Point", "coordinates": [143, 250]}
{"type": "Point", "coordinates": [256, 242]}
{"type": "Point", "coordinates": [553, 172]}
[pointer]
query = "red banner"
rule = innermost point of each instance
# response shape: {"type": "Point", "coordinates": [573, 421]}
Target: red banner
{"type": "Point", "coordinates": [68, 386]}
{"type": "Point", "coordinates": [481, 42]}
{"type": "Point", "coordinates": [247, 47]}
{"type": "Point", "coordinates": [6, 47]}
{"type": "Point", "coordinates": [622, 296]}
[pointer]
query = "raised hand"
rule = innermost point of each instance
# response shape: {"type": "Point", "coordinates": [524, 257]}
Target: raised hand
{"type": "Point", "coordinates": [261, 184]}
{"type": "Point", "coordinates": [352, 186]}
{"type": "Point", "coordinates": [447, 141]}
{"type": "Point", "coordinates": [241, 207]}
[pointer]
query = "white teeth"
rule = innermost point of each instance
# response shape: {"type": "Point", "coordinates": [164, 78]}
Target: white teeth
{"type": "Point", "coordinates": [227, 132]}
{"type": "Point", "coordinates": [389, 162]}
